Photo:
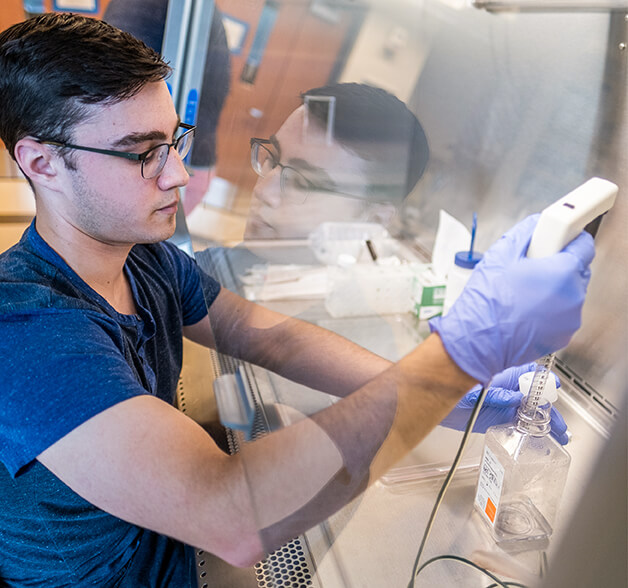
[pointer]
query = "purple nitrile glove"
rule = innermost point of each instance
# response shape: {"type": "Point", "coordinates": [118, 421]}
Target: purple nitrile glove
{"type": "Point", "coordinates": [513, 309]}
{"type": "Point", "coordinates": [500, 405]}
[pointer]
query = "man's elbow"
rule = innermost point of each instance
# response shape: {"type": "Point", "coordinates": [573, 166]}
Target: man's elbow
{"type": "Point", "coordinates": [242, 553]}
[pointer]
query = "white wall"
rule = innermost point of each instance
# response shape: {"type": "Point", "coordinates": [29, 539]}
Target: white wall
{"type": "Point", "coordinates": [370, 63]}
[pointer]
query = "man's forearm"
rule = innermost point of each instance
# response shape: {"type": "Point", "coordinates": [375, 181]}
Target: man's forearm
{"type": "Point", "coordinates": [295, 349]}
{"type": "Point", "coordinates": [319, 358]}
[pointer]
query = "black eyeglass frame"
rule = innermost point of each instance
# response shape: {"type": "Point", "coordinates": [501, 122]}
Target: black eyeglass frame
{"type": "Point", "coordinates": [257, 142]}
{"type": "Point", "coordinates": [125, 154]}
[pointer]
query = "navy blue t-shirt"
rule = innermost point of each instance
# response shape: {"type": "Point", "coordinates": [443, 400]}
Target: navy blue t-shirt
{"type": "Point", "coordinates": [65, 356]}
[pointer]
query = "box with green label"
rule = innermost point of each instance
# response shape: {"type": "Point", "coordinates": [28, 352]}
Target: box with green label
{"type": "Point", "coordinates": [429, 293]}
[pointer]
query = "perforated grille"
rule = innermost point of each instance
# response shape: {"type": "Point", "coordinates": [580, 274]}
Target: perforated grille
{"type": "Point", "coordinates": [285, 568]}
{"type": "Point", "coordinates": [202, 580]}
{"type": "Point", "coordinates": [181, 395]}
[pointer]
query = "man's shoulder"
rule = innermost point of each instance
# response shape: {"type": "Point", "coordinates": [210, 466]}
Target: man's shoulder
{"type": "Point", "coordinates": [30, 282]}
{"type": "Point", "coordinates": [23, 277]}
{"type": "Point", "coordinates": [17, 258]}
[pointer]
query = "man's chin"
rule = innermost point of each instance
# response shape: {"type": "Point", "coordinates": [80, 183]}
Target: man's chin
{"type": "Point", "coordinates": [158, 236]}
{"type": "Point", "coordinates": [256, 228]}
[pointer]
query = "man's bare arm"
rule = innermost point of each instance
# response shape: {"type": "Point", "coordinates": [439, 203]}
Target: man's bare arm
{"type": "Point", "coordinates": [145, 462]}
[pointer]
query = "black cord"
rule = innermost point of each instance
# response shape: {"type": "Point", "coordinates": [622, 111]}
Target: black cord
{"type": "Point", "coordinates": [416, 570]}
{"type": "Point", "coordinates": [448, 478]}
{"type": "Point", "coordinates": [544, 563]}
{"type": "Point", "coordinates": [496, 580]}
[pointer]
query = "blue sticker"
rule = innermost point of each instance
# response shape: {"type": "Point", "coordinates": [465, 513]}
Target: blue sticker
{"type": "Point", "coordinates": [191, 106]}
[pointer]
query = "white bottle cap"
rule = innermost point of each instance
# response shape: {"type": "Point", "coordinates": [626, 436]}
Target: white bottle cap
{"type": "Point", "coordinates": [550, 394]}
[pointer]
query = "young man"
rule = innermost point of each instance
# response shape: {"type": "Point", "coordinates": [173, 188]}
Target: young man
{"type": "Point", "coordinates": [350, 153]}
{"type": "Point", "coordinates": [103, 481]}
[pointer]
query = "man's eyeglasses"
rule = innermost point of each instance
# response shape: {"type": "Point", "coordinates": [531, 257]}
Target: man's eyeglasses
{"type": "Point", "coordinates": [153, 160]}
{"type": "Point", "coordinates": [294, 185]}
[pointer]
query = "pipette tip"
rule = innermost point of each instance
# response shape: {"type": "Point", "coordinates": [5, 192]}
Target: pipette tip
{"type": "Point", "coordinates": [474, 226]}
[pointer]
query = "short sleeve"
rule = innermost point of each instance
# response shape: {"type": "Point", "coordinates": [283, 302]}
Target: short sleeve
{"type": "Point", "coordinates": [59, 368]}
{"type": "Point", "coordinates": [197, 289]}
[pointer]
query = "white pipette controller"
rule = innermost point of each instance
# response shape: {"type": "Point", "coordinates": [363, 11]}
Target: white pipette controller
{"type": "Point", "coordinates": [560, 223]}
{"type": "Point", "coordinates": [564, 220]}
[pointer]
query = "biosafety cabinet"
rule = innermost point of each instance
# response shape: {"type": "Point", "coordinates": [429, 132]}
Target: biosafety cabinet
{"type": "Point", "coordinates": [521, 101]}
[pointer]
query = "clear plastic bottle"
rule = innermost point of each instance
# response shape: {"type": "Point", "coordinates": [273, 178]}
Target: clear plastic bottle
{"type": "Point", "coordinates": [458, 276]}
{"type": "Point", "coordinates": [522, 476]}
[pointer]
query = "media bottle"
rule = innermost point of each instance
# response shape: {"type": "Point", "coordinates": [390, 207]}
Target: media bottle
{"type": "Point", "coordinates": [458, 276]}
{"type": "Point", "coordinates": [522, 474]}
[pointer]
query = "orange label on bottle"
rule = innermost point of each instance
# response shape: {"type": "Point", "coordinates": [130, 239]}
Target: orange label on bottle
{"type": "Point", "coordinates": [490, 510]}
{"type": "Point", "coordinates": [490, 483]}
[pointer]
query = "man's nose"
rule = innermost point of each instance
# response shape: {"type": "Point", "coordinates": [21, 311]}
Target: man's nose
{"type": "Point", "coordinates": [267, 189]}
{"type": "Point", "coordinates": [174, 174]}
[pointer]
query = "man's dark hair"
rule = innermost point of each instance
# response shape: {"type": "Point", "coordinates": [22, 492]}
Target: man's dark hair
{"type": "Point", "coordinates": [54, 66]}
{"type": "Point", "coordinates": [369, 121]}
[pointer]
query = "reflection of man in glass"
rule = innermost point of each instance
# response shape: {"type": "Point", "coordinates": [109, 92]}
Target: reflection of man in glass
{"type": "Point", "coordinates": [351, 152]}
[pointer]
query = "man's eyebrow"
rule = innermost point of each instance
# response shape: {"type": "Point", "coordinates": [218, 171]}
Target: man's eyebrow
{"type": "Point", "coordinates": [137, 138]}
{"type": "Point", "coordinates": [276, 145]}
{"type": "Point", "coordinates": [302, 165]}
{"type": "Point", "coordinates": [323, 178]}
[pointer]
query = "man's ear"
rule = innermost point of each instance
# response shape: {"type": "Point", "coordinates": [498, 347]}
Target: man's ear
{"type": "Point", "coordinates": [37, 161]}
{"type": "Point", "coordinates": [381, 212]}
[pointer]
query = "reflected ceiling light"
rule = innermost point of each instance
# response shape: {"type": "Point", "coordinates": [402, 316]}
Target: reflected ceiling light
{"type": "Point", "coordinates": [457, 4]}
{"type": "Point", "coordinates": [551, 5]}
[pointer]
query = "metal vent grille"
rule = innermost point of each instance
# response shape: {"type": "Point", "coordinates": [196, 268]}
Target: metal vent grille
{"type": "Point", "coordinates": [285, 568]}
{"type": "Point", "coordinates": [180, 396]}
{"type": "Point", "coordinates": [201, 578]}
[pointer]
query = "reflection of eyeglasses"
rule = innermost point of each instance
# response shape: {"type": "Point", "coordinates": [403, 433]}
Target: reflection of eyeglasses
{"type": "Point", "coordinates": [153, 160]}
{"type": "Point", "coordinates": [294, 185]}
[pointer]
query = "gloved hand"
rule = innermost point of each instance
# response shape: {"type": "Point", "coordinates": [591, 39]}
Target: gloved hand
{"type": "Point", "coordinates": [514, 309]}
{"type": "Point", "coordinates": [500, 405]}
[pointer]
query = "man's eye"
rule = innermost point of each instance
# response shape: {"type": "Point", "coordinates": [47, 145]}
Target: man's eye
{"type": "Point", "coordinates": [151, 155]}
{"type": "Point", "coordinates": [295, 181]}
{"type": "Point", "coordinates": [300, 182]}
{"type": "Point", "coordinates": [268, 162]}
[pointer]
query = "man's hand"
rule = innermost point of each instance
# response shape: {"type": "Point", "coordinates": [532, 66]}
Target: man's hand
{"type": "Point", "coordinates": [500, 405]}
{"type": "Point", "coordinates": [515, 309]}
